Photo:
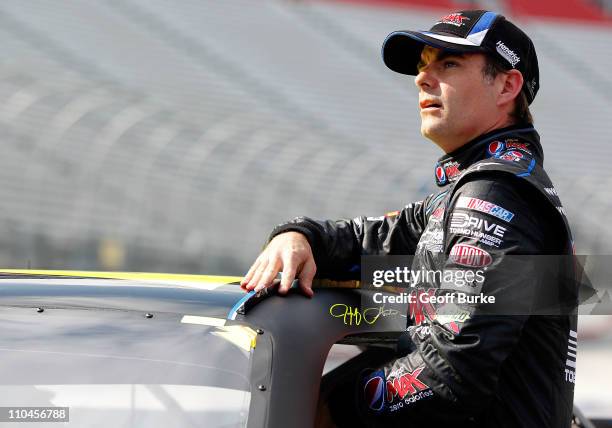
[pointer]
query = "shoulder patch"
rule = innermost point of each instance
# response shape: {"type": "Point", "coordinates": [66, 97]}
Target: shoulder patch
{"type": "Point", "coordinates": [486, 207]}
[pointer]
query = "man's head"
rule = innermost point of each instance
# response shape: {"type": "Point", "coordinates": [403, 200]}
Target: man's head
{"type": "Point", "coordinates": [459, 99]}
{"type": "Point", "coordinates": [478, 70]}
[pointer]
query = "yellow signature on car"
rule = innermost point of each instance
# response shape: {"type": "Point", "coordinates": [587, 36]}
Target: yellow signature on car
{"type": "Point", "coordinates": [355, 316]}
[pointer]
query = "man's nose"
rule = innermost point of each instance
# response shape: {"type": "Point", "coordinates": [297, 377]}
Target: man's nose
{"type": "Point", "coordinates": [425, 78]}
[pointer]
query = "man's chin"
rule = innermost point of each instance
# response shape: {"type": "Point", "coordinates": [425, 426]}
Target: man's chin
{"type": "Point", "coordinates": [435, 135]}
{"type": "Point", "coordinates": [429, 132]}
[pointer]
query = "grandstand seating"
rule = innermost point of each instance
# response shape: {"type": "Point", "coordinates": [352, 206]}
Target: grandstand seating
{"type": "Point", "coordinates": [187, 132]}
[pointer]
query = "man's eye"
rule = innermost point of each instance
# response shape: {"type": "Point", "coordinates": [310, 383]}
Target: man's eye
{"type": "Point", "coordinates": [450, 64]}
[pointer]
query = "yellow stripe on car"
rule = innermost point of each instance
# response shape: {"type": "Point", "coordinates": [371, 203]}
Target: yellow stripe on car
{"type": "Point", "coordinates": [198, 281]}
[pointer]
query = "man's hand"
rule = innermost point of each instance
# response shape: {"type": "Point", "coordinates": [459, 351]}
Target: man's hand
{"type": "Point", "coordinates": [288, 252]}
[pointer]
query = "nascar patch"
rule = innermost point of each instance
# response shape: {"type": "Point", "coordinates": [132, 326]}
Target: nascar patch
{"type": "Point", "coordinates": [484, 207]}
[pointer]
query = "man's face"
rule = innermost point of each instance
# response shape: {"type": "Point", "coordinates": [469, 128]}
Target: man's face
{"type": "Point", "coordinates": [457, 103]}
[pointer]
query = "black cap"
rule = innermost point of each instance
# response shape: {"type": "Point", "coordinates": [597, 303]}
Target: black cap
{"type": "Point", "coordinates": [467, 31]}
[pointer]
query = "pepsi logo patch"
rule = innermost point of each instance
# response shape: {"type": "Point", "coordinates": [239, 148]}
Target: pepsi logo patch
{"type": "Point", "coordinates": [374, 391]}
{"type": "Point", "coordinates": [495, 147]}
{"type": "Point", "coordinates": [440, 175]}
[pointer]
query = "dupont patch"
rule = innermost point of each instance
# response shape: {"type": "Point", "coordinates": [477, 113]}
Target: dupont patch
{"type": "Point", "coordinates": [470, 256]}
{"type": "Point", "coordinates": [485, 207]}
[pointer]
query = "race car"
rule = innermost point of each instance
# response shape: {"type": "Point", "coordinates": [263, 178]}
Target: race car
{"type": "Point", "coordinates": [102, 349]}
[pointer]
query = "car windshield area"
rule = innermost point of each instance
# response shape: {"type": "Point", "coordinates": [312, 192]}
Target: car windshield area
{"type": "Point", "coordinates": [115, 368]}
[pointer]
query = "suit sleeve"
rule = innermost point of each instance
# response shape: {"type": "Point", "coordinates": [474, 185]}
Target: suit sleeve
{"type": "Point", "coordinates": [453, 367]}
{"type": "Point", "coordinates": [338, 244]}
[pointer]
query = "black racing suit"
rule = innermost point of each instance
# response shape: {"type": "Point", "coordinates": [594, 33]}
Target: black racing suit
{"type": "Point", "coordinates": [483, 370]}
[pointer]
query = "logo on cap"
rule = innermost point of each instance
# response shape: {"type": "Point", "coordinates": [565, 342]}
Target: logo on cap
{"type": "Point", "coordinates": [507, 53]}
{"type": "Point", "coordinates": [455, 19]}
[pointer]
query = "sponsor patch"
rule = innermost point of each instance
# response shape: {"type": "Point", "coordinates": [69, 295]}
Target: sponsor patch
{"type": "Point", "coordinates": [507, 53]}
{"type": "Point", "coordinates": [437, 214]}
{"type": "Point", "coordinates": [470, 256]}
{"type": "Point", "coordinates": [481, 237]}
{"type": "Point", "coordinates": [448, 171]}
{"type": "Point", "coordinates": [570, 362]}
{"type": "Point", "coordinates": [513, 143]}
{"type": "Point", "coordinates": [513, 156]}
{"type": "Point", "coordinates": [495, 148]}
{"type": "Point", "coordinates": [432, 239]}
{"type": "Point", "coordinates": [485, 207]}
{"type": "Point", "coordinates": [452, 170]}
{"type": "Point", "coordinates": [452, 317]}
{"type": "Point", "coordinates": [411, 399]}
{"type": "Point", "coordinates": [463, 220]}
{"type": "Point", "coordinates": [422, 331]}
{"type": "Point", "coordinates": [455, 19]}
{"type": "Point", "coordinates": [440, 175]}
{"type": "Point", "coordinates": [374, 391]}
{"type": "Point", "coordinates": [401, 385]}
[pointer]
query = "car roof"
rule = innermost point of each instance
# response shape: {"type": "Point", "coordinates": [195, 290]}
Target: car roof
{"type": "Point", "coordinates": [292, 335]}
{"type": "Point", "coordinates": [179, 293]}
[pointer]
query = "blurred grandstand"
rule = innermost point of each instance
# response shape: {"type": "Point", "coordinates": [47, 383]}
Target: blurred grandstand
{"type": "Point", "coordinates": [151, 135]}
{"type": "Point", "coordinates": [142, 135]}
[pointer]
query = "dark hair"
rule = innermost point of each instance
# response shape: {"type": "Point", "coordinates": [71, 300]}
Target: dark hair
{"type": "Point", "coordinates": [493, 66]}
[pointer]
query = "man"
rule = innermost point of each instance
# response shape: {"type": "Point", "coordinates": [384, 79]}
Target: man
{"type": "Point", "coordinates": [477, 73]}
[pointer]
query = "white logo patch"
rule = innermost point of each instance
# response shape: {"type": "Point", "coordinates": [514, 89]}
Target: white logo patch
{"type": "Point", "coordinates": [507, 53]}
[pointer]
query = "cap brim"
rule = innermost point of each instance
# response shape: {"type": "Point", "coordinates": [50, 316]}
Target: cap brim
{"type": "Point", "coordinates": [401, 50]}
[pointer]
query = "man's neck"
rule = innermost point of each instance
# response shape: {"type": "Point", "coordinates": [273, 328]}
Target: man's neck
{"type": "Point", "coordinates": [451, 144]}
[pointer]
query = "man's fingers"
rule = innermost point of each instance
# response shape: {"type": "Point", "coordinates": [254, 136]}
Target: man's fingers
{"type": "Point", "coordinates": [268, 275]}
{"type": "Point", "coordinates": [288, 252]}
{"type": "Point", "coordinates": [287, 278]}
{"type": "Point", "coordinates": [257, 275]}
{"type": "Point", "coordinates": [306, 276]}
{"type": "Point", "coordinates": [250, 273]}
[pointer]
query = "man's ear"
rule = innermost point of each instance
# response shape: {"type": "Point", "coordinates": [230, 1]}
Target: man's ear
{"type": "Point", "coordinates": [512, 83]}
